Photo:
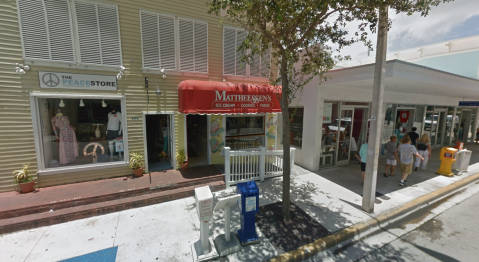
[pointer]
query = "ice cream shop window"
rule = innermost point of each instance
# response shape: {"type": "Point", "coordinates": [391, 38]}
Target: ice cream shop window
{"type": "Point", "coordinates": [243, 132]}
{"type": "Point", "coordinates": [76, 131]}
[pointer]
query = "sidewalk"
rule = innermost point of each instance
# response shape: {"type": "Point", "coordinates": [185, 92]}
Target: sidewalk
{"type": "Point", "coordinates": [165, 232]}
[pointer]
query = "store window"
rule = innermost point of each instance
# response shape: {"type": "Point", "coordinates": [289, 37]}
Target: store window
{"type": "Point", "coordinates": [245, 132]}
{"type": "Point", "coordinates": [75, 132]}
{"type": "Point", "coordinates": [296, 126]}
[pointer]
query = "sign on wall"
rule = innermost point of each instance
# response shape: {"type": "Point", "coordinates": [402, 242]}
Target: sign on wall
{"type": "Point", "coordinates": [76, 81]}
{"type": "Point", "coordinates": [327, 112]}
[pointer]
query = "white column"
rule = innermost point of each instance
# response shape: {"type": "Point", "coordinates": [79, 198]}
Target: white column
{"type": "Point", "coordinates": [227, 222]}
{"type": "Point", "coordinates": [204, 234]}
{"type": "Point", "coordinates": [262, 164]}
{"type": "Point", "coordinates": [227, 166]}
{"type": "Point", "coordinates": [369, 189]}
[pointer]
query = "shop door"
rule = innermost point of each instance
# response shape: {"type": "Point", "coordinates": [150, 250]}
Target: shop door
{"type": "Point", "coordinates": [158, 142]}
{"type": "Point", "coordinates": [197, 141]}
{"type": "Point", "coordinates": [438, 128]}
{"type": "Point", "coordinates": [343, 137]}
{"type": "Point", "coordinates": [465, 126]}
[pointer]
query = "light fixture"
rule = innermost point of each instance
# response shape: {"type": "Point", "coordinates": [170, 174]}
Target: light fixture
{"type": "Point", "coordinates": [224, 80]}
{"type": "Point", "coordinates": [103, 104]}
{"type": "Point", "coordinates": [163, 72]}
{"type": "Point", "coordinates": [158, 91]}
{"type": "Point", "coordinates": [20, 69]}
{"type": "Point", "coordinates": [121, 73]}
{"type": "Point", "coordinates": [61, 103]}
{"type": "Point", "coordinates": [81, 103]}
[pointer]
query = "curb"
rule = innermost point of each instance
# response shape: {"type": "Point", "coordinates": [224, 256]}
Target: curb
{"type": "Point", "coordinates": [309, 250]}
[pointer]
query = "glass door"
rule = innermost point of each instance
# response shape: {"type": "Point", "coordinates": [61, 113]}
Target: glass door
{"type": "Point", "coordinates": [465, 126]}
{"type": "Point", "coordinates": [343, 136]}
{"type": "Point", "coordinates": [440, 128]}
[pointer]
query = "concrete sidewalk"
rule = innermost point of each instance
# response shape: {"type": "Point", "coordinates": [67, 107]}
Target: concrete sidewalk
{"type": "Point", "coordinates": [165, 232]}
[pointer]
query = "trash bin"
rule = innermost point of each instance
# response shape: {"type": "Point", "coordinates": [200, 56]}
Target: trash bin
{"type": "Point", "coordinates": [447, 157]}
{"type": "Point", "coordinates": [249, 206]}
{"type": "Point", "coordinates": [459, 145]}
{"type": "Point", "coordinates": [463, 157]}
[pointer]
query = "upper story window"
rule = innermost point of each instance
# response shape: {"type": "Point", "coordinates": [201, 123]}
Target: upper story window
{"type": "Point", "coordinates": [232, 39]}
{"type": "Point", "coordinates": [71, 31]}
{"type": "Point", "coordinates": [174, 44]}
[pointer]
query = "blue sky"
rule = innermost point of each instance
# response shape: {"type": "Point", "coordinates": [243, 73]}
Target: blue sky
{"type": "Point", "coordinates": [448, 21]}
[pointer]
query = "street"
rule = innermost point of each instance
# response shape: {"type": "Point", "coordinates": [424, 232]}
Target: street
{"type": "Point", "coordinates": [450, 236]}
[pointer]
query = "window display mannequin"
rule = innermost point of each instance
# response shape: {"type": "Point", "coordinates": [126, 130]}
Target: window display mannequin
{"type": "Point", "coordinates": [65, 134]}
{"type": "Point", "coordinates": [114, 127]}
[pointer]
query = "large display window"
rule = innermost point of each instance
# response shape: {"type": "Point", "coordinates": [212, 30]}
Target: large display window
{"type": "Point", "coordinates": [296, 126]}
{"type": "Point", "coordinates": [80, 131]}
{"type": "Point", "coordinates": [243, 132]}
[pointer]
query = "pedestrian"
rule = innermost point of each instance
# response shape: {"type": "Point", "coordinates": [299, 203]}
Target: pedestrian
{"type": "Point", "coordinates": [424, 149]}
{"type": "Point", "coordinates": [391, 156]}
{"type": "Point", "coordinates": [477, 136]}
{"type": "Point", "coordinates": [406, 152]}
{"type": "Point", "coordinates": [414, 136]}
{"type": "Point", "coordinates": [363, 155]}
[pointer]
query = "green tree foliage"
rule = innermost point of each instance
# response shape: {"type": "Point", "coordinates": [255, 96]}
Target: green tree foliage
{"type": "Point", "coordinates": [301, 34]}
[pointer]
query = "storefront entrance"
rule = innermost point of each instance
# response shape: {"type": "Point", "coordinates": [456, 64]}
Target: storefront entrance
{"type": "Point", "coordinates": [197, 140]}
{"type": "Point", "coordinates": [159, 142]}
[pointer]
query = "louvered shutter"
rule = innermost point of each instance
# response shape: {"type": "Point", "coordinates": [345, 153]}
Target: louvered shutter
{"type": "Point", "coordinates": [186, 45]}
{"type": "Point", "coordinates": [265, 63]}
{"type": "Point", "coordinates": [229, 51]}
{"type": "Point", "coordinates": [167, 42]}
{"type": "Point", "coordinates": [60, 31]}
{"type": "Point", "coordinates": [88, 33]}
{"type": "Point", "coordinates": [34, 29]}
{"type": "Point", "coordinates": [150, 40]}
{"type": "Point", "coordinates": [255, 67]}
{"type": "Point", "coordinates": [109, 34]}
{"type": "Point", "coordinates": [240, 67]}
{"type": "Point", "coordinates": [201, 47]}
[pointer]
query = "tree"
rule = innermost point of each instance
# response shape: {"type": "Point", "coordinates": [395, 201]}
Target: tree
{"type": "Point", "coordinates": [300, 34]}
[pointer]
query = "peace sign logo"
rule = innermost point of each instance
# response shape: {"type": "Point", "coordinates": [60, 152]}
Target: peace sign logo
{"type": "Point", "coordinates": [50, 79]}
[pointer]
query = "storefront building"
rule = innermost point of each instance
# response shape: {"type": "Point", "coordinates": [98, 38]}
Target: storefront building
{"type": "Point", "coordinates": [103, 77]}
{"type": "Point", "coordinates": [433, 101]}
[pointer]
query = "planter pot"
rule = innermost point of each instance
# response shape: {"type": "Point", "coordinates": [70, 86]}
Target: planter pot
{"type": "Point", "coordinates": [27, 187]}
{"type": "Point", "coordinates": [184, 166]}
{"type": "Point", "coordinates": [138, 172]}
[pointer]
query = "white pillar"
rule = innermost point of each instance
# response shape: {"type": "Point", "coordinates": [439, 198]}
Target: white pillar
{"type": "Point", "coordinates": [204, 235]}
{"type": "Point", "coordinates": [227, 166]}
{"type": "Point", "coordinates": [227, 222]}
{"type": "Point", "coordinates": [369, 189]}
{"type": "Point", "coordinates": [262, 164]}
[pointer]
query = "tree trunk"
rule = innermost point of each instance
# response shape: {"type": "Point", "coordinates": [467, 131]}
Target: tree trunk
{"type": "Point", "coordinates": [286, 141]}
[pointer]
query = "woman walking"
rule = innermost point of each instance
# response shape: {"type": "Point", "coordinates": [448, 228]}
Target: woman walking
{"type": "Point", "coordinates": [424, 149]}
{"type": "Point", "coordinates": [406, 152]}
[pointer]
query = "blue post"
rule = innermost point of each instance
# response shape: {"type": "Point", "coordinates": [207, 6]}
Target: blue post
{"type": "Point", "coordinates": [249, 206]}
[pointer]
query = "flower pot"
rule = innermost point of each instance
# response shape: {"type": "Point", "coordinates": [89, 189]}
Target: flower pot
{"type": "Point", "coordinates": [27, 187]}
{"type": "Point", "coordinates": [184, 166]}
{"type": "Point", "coordinates": [138, 172]}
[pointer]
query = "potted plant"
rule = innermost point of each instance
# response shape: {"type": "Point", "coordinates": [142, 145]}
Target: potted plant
{"type": "Point", "coordinates": [181, 159]}
{"type": "Point", "coordinates": [137, 163]}
{"type": "Point", "coordinates": [23, 179]}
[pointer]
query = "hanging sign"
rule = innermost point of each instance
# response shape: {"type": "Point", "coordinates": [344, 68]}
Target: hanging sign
{"type": "Point", "coordinates": [59, 80]}
{"type": "Point", "coordinates": [468, 103]}
{"type": "Point", "coordinates": [327, 112]}
{"type": "Point", "coordinates": [403, 116]}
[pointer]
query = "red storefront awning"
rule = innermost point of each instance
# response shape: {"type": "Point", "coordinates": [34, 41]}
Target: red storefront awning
{"type": "Point", "coordinates": [208, 97]}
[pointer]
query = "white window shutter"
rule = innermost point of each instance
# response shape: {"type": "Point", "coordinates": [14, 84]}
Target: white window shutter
{"type": "Point", "coordinates": [34, 29]}
{"type": "Point", "coordinates": [201, 47]}
{"type": "Point", "coordinates": [60, 31]}
{"type": "Point", "coordinates": [240, 67]}
{"type": "Point", "coordinates": [186, 45]}
{"type": "Point", "coordinates": [88, 32]}
{"type": "Point", "coordinates": [229, 51]}
{"type": "Point", "coordinates": [265, 64]}
{"type": "Point", "coordinates": [109, 34]}
{"type": "Point", "coordinates": [167, 42]}
{"type": "Point", "coordinates": [150, 40]}
{"type": "Point", "coordinates": [254, 70]}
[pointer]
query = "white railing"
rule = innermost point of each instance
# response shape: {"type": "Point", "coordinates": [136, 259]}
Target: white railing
{"type": "Point", "coordinates": [248, 165]}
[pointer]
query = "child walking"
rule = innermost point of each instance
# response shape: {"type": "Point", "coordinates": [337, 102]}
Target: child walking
{"type": "Point", "coordinates": [391, 156]}
{"type": "Point", "coordinates": [406, 151]}
{"type": "Point", "coordinates": [424, 149]}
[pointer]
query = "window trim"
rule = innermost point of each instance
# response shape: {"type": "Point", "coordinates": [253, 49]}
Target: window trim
{"type": "Point", "coordinates": [75, 40]}
{"type": "Point", "coordinates": [177, 44]}
{"type": "Point", "coordinates": [248, 76]}
{"type": "Point", "coordinates": [42, 170]}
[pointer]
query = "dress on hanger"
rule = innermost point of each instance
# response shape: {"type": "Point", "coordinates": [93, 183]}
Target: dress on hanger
{"type": "Point", "coordinates": [68, 148]}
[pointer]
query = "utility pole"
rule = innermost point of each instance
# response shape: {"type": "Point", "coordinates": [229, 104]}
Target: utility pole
{"type": "Point", "coordinates": [377, 118]}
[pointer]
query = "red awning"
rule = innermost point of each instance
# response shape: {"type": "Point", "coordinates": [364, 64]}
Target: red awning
{"type": "Point", "coordinates": [208, 97]}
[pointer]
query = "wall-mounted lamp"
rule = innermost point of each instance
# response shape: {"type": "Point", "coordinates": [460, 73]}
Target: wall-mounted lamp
{"type": "Point", "coordinates": [158, 91]}
{"type": "Point", "coordinates": [224, 79]}
{"type": "Point", "coordinates": [61, 103]}
{"type": "Point", "coordinates": [81, 103]}
{"type": "Point", "coordinates": [163, 72]}
{"type": "Point", "coordinates": [121, 73]}
{"type": "Point", "coordinates": [103, 104]}
{"type": "Point", "coordinates": [20, 69]}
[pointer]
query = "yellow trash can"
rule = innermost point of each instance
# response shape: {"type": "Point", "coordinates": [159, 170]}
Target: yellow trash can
{"type": "Point", "coordinates": [448, 156]}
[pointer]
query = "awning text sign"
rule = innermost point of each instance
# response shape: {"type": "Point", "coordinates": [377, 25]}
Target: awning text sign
{"type": "Point", "coordinates": [227, 100]}
{"type": "Point", "coordinates": [59, 80]}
